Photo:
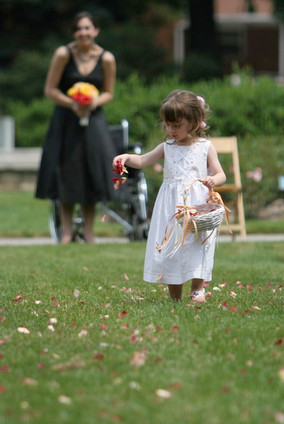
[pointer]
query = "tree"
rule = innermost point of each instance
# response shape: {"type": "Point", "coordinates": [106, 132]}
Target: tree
{"type": "Point", "coordinates": [202, 26]}
{"type": "Point", "coordinates": [203, 60]}
{"type": "Point", "coordinates": [279, 9]}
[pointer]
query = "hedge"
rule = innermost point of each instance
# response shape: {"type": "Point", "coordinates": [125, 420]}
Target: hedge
{"type": "Point", "coordinates": [250, 108]}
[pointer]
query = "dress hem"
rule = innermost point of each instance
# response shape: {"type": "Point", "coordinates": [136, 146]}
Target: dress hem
{"type": "Point", "coordinates": [149, 278]}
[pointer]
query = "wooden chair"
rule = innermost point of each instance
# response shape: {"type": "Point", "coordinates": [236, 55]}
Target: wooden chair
{"type": "Point", "coordinates": [229, 146]}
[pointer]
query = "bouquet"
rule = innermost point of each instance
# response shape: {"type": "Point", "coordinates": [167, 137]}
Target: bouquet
{"type": "Point", "coordinates": [83, 93]}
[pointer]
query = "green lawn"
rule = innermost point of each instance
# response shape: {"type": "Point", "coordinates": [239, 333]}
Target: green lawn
{"type": "Point", "coordinates": [21, 215]}
{"type": "Point", "coordinates": [85, 340]}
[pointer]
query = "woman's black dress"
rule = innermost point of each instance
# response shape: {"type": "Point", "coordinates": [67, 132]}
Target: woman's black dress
{"type": "Point", "coordinates": [76, 161]}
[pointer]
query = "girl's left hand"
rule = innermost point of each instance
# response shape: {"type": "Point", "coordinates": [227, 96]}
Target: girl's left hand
{"type": "Point", "coordinates": [208, 181]}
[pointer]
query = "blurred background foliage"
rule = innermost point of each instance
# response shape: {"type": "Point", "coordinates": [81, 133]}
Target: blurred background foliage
{"type": "Point", "coordinates": [250, 108]}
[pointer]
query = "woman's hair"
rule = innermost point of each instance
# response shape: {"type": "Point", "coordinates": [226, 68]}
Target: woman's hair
{"type": "Point", "coordinates": [183, 104]}
{"type": "Point", "coordinates": [82, 15]}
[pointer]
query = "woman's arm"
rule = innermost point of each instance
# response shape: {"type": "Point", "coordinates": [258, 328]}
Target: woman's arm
{"type": "Point", "coordinates": [140, 161]}
{"type": "Point", "coordinates": [218, 176]}
{"type": "Point", "coordinates": [109, 69]}
{"type": "Point", "coordinates": [56, 69]}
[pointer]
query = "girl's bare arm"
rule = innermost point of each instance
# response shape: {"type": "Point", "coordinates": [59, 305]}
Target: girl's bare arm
{"type": "Point", "coordinates": [140, 161]}
{"type": "Point", "coordinates": [218, 176]}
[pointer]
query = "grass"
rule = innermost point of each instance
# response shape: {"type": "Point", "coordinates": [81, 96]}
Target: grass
{"type": "Point", "coordinates": [21, 215]}
{"type": "Point", "coordinates": [115, 342]}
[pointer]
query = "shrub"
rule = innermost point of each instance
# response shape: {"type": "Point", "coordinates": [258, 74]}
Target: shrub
{"type": "Point", "coordinates": [253, 110]}
{"type": "Point", "coordinates": [31, 121]}
{"type": "Point", "coordinates": [25, 79]}
{"type": "Point", "coordinates": [199, 66]}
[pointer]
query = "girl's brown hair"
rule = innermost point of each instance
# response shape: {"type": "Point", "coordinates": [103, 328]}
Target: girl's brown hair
{"type": "Point", "coordinates": [183, 104]}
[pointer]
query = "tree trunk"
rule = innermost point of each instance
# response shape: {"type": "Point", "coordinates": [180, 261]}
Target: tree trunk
{"type": "Point", "coordinates": [202, 27]}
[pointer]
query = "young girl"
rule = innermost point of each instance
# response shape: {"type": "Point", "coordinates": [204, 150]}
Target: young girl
{"type": "Point", "coordinates": [190, 163]}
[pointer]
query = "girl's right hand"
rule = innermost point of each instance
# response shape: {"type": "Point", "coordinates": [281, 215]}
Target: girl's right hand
{"type": "Point", "coordinates": [120, 158]}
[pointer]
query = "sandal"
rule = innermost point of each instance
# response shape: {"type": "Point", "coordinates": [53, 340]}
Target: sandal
{"type": "Point", "coordinates": [198, 296]}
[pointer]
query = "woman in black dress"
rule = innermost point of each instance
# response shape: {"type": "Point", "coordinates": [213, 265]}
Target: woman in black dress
{"type": "Point", "coordinates": [77, 160]}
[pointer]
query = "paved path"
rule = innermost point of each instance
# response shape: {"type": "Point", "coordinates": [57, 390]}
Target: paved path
{"type": "Point", "coordinates": [121, 240]}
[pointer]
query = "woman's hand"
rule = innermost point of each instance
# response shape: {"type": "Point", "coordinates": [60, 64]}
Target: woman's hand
{"type": "Point", "coordinates": [79, 110]}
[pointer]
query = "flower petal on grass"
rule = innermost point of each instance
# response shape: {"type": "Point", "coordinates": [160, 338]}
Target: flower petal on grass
{"type": "Point", "coordinates": [138, 358]}
{"type": "Point", "coordinates": [4, 368]}
{"type": "Point", "coordinates": [256, 308]}
{"type": "Point", "coordinates": [65, 400]}
{"type": "Point", "coordinates": [30, 381]}
{"type": "Point", "coordinates": [281, 374]}
{"type": "Point", "coordinates": [279, 417]}
{"type": "Point", "coordinates": [83, 333]}
{"type": "Point", "coordinates": [76, 293]}
{"type": "Point", "coordinates": [163, 394]}
{"type": "Point", "coordinates": [23, 330]}
{"type": "Point", "coordinates": [125, 276]}
{"type": "Point", "coordinates": [135, 386]}
{"type": "Point", "coordinates": [99, 356]}
{"type": "Point", "coordinates": [122, 314]}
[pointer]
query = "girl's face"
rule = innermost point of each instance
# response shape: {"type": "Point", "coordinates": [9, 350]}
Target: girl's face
{"type": "Point", "coordinates": [85, 31]}
{"type": "Point", "coordinates": [179, 131]}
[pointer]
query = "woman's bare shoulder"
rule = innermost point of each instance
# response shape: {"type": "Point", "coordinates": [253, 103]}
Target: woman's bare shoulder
{"type": "Point", "coordinates": [108, 57]}
{"type": "Point", "coordinates": [62, 53]}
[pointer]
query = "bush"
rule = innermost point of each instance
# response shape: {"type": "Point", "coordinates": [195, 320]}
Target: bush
{"type": "Point", "coordinates": [253, 110]}
{"type": "Point", "coordinates": [25, 79]}
{"type": "Point", "coordinates": [134, 50]}
{"type": "Point", "coordinates": [199, 66]}
{"type": "Point", "coordinates": [265, 153]}
{"type": "Point", "coordinates": [31, 121]}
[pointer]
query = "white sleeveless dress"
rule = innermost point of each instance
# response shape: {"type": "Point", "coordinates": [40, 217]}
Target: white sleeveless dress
{"type": "Point", "coordinates": [182, 165]}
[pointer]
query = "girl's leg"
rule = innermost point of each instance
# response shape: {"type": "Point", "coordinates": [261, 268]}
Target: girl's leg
{"type": "Point", "coordinates": [197, 290]}
{"type": "Point", "coordinates": [66, 212]}
{"type": "Point", "coordinates": [175, 291]}
{"type": "Point", "coordinates": [89, 216]}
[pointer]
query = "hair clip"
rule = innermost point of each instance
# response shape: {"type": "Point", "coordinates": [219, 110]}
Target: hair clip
{"type": "Point", "coordinates": [202, 101]}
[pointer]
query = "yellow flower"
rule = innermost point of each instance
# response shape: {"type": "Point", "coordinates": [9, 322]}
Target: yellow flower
{"type": "Point", "coordinates": [84, 88]}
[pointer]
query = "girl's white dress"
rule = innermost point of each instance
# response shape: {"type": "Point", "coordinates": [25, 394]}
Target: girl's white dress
{"type": "Point", "coordinates": [182, 165]}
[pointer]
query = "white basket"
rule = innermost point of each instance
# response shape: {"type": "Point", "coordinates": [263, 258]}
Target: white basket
{"type": "Point", "coordinates": [209, 216]}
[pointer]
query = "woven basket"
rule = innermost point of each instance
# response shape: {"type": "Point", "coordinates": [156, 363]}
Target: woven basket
{"type": "Point", "coordinates": [209, 216]}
